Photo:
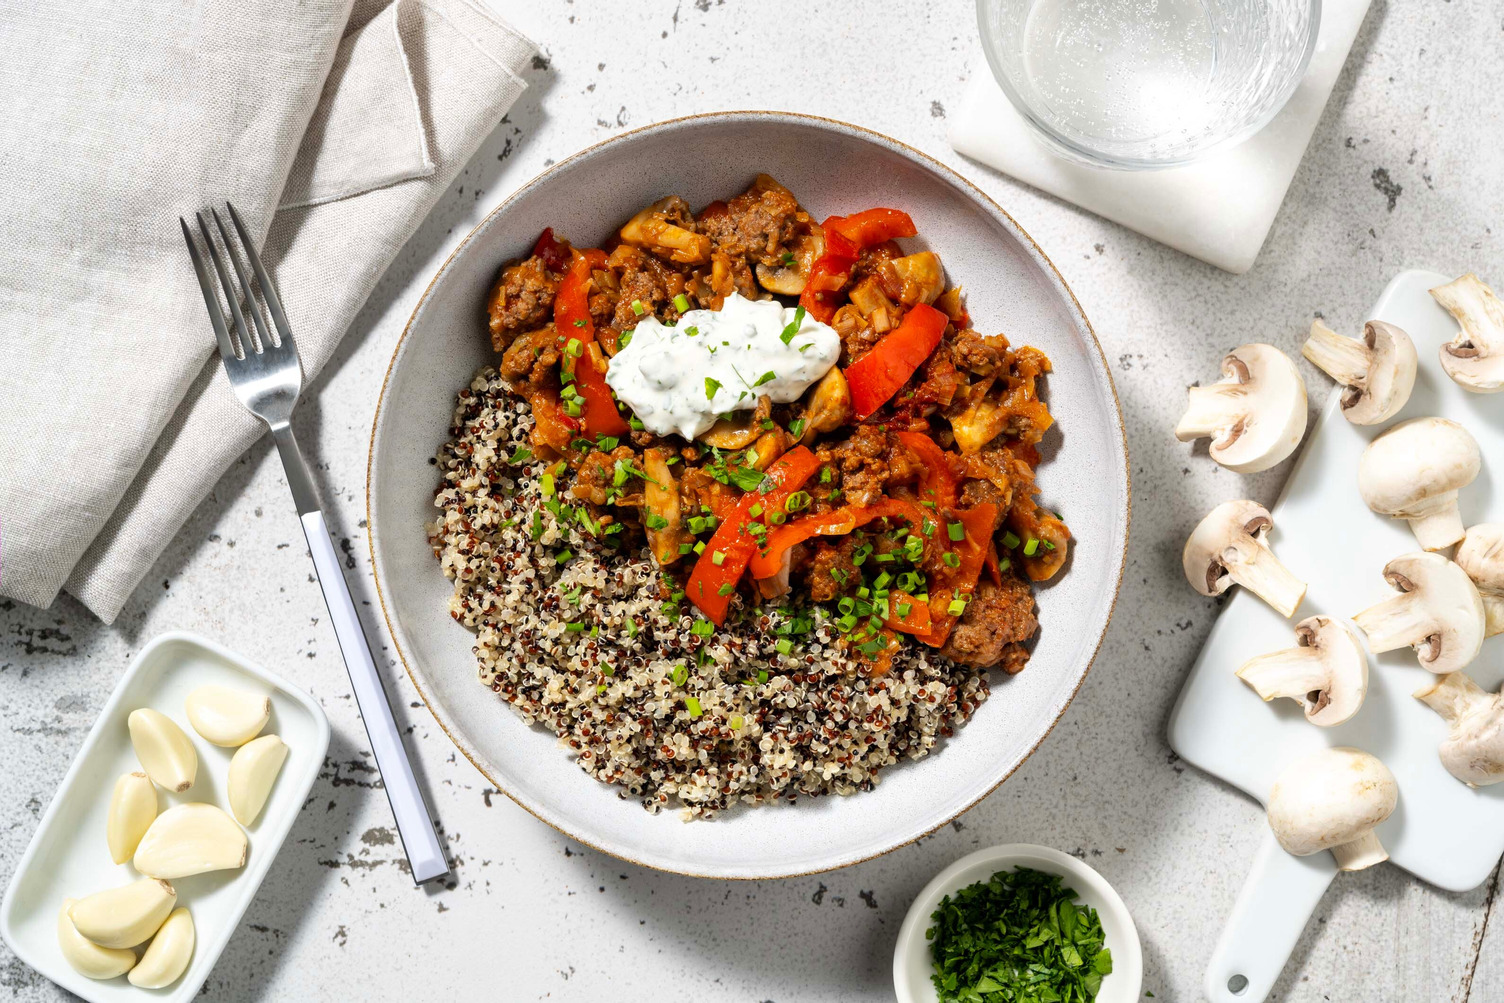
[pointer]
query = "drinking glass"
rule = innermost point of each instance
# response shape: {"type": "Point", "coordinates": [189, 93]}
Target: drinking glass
{"type": "Point", "coordinates": [1137, 84]}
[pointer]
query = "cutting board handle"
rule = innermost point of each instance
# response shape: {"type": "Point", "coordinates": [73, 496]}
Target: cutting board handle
{"type": "Point", "coordinates": [1277, 900]}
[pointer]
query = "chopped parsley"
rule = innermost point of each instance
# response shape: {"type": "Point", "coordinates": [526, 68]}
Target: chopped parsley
{"type": "Point", "coordinates": [767, 377]}
{"type": "Point", "coordinates": [792, 328]}
{"type": "Point", "coordinates": [711, 386]}
{"type": "Point", "coordinates": [1017, 938]}
{"type": "Point", "coordinates": [520, 455]}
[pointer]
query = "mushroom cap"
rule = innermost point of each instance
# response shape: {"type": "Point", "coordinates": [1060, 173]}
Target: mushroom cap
{"type": "Point", "coordinates": [1226, 533]}
{"type": "Point", "coordinates": [1262, 421]}
{"type": "Point", "coordinates": [1440, 613]}
{"type": "Point", "coordinates": [1414, 462]}
{"type": "Point", "coordinates": [1330, 797]}
{"type": "Point", "coordinates": [1390, 378]}
{"type": "Point", "coordinates": [1475, 358]}
{"type": "Point", "coordinates": [1482, 557]}
{"type": "Point", "coordinates": [1326, 673]}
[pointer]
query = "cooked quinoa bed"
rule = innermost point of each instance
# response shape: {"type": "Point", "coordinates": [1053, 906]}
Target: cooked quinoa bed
{"type": "Point", "coordinates": [572, 633]}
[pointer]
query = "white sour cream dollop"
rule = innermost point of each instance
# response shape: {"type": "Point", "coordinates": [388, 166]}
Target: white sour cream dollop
{"type": "Point", "coordinates": [681, 378]}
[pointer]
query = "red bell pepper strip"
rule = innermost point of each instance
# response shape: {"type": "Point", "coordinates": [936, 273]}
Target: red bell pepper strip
{"type": "Point", "coordinates": [572, 322]}
{"type": "Point", "coordinates": [980, 522]}
{"type": "Point", "coordinates": [872, 226]}
{"type": "Point", "coordinates": [915, 621]}
{"type": "Point", "coordinates": [553, 252]}
{"type": "Point", "coordinates": [731, 548]}
{"type": "Point", "coordinates": [837, 522]}
{"type": "Point", "coordinates": [994, 569]}
{"type": "Point", "coordinates": [939, 481]}
{"type": "Point", "coordinates": [827, 275]}
{"type": "Point", "coordinates": [877, 376]}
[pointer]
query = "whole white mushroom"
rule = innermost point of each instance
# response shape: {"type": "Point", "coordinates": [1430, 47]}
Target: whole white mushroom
{"type": "Point", "coordinates": [1413, 472]}
{"type": "Point", "coordinates": [1473, 750]}
{"type": "Point", "coordinates": [1332, 800]}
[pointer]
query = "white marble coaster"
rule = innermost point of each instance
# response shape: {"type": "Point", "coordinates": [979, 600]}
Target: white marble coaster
{"type": "Point", "coordinates": [1218, 210]}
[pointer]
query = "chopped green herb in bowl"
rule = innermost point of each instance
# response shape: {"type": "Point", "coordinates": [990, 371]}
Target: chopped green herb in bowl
{"type": "Point", "coordinates": [1018, 937]}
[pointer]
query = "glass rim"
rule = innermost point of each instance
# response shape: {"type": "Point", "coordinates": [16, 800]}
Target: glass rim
{"type": "Point", "coordinates": [1075, 150]}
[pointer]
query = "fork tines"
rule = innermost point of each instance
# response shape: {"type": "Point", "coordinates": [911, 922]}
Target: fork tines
{"type": "Point", "coordinates": [255, 337]}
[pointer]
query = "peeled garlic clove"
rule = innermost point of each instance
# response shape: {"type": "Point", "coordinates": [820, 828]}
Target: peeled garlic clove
{"type": "Point", "coordinates": [165, 752]}
{"type": "Point", "coordinates": [124, 916]}
{"type": "Point", "coordinates": [167, 956]}
{"type": "Point", "coordinates": [253, 770]}
{"type": "Point", "coordinates": [227, 716]}
{"type": "Point", "coordinates": [190, 839]}
{"type": "Point", "coordinates": [133, 806]}
{"type": "Point", "coordinates": [88, 958]}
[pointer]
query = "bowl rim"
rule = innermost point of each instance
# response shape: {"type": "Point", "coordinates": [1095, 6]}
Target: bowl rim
{"type": "Point", "coordinates": [922, 159]}
{"type": "Point", "coordinates": [1127, 951]}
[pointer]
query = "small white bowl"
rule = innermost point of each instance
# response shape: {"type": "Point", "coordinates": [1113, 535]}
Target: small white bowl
{"type": "Point", "coordinates": [68, 856]}
{"type": "Point", "coordinates": [913, 964]}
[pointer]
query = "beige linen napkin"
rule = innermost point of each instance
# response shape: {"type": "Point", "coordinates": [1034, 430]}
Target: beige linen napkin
{"type": "Point", "coordinates": [115, 421]}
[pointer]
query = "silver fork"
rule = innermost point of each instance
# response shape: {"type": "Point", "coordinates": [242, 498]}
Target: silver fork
{"type": "Point", "coordinates": [267, 376]}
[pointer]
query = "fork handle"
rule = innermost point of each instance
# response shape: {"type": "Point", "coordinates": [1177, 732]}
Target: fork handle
{"type": "Point", "coordinates": [414, 824]}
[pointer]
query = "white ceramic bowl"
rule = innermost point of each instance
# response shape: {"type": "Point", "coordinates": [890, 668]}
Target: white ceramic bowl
{"type": "Point", "coordinates": [68, 856]}
{"type": "Point", "coordinates": [1010, 286]}
{"type": "Point", "coordinates": [912, 961]}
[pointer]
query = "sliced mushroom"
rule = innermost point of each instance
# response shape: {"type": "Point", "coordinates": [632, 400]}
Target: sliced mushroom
{"type": "Point", "coordinates": [1377, 369]}
{"type": "Point", "coordinates": [1229, 546]}
{"type": "Point", "coordinates": [736, 431]}
{"type": "Point", "coordinates": [788, 277]}
{"type": "Point", "coordinates": [1413, 472]}
{"type": "Point", "coordinates": [829, 405]}
{"type": "Point", "coordinates": [1475, 358]}
{"type": "Point", "coordinates": [660, 500]}
{"type": "Point", "coordinates": [1332, 800]}
{"type": "Point", "coordinates": [652, 230]}
{"type": "Point", "coordinates": [1437, 612]}
{"type": "Point", "coordinates": [1473, 750]}
{"type": "Point", "coordinates": [1326, 673]}
{"type": "Point", "coordinates": [1482, 557]}
{"type": "Point", "coordinates": [921, 278]}
{"type": "Point", "coordinates": [1255, 414]}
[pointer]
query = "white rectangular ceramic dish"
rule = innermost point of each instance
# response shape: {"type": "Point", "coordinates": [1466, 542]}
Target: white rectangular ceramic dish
{"type": "Point", "coordinates": [1442, 831]}
{"type": "Point", "coordinates": [68, 856]}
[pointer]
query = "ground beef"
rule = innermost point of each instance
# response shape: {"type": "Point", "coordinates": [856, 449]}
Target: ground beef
{"type": "Point", "coordinates": [757, 225]}
{"type": "Point", "coordinates": [994, 619]}
{"type": "Point", "coordinates": [831, 569]}
{"type": "Point", "coordinates": [975, 353]}
{"type": "Point", "coordinates": [862, 462]}
{"type": "Point", "coordinates": [522, 300]}
{"type": "Point", "coordinates": [531, 358]}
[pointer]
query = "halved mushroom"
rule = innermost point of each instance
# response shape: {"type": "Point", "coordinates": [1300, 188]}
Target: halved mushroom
{"type": "Point", "coordinates": [1326, 673]}
{"type": "Point", "coordinates": [1332, 800]}
{"type": "Point", "coordinates": [1473, 750]}
{"type": "Point", "coordinates": [921, 279]}
{"type": "Point", "coordinates": [739, 429]}
{"type": "Point", "coordinates": [1229, 546]}
{"type": "Point", "coordinates": [1413, 472]}
{"type": "Point", "coordinates": [1475, 358]}
{"type": "Point", "coordinates": [654, 229]}
{"type": "Point", "coordinates": [1437, 612]}
{"type": "Point", "coordinates": [829, 405]}
{"type": "Point", "coordinates": [1377, 369]}
{"type": "Point", "coordinates": [787, 278]}
{"type": "Point", "coordinates": [662, 517]}
{"type": "Point", "coordinates": [1255, 414]}
{"type": "Point", "coordinates": [1482, 557]}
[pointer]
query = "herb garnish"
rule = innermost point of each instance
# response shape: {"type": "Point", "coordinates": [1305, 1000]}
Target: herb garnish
{"type": "Point", "coordinates": [1017, 938]}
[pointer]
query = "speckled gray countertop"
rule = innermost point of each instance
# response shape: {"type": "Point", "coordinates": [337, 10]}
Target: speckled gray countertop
{"type": "Point", "coordinates": [1405, 170]}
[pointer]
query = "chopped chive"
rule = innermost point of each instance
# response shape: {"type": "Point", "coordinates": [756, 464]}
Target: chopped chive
{"type": "Point", "coordinates": [718, 558]}
{"type": "Point", "coordinates": [624, 340]}
{"type": "Point", "coordinates": [655, 521]}
{"type": "Point", "coordinates": [956, 531]}
{"type": "Point", "coordinates": [572, 408]}
{"type": "Point", "coordinates": [574, 348]}
{"type": "Point", "coordinates": [699, 547]}
{"type": "Point", "coordinates": [575, 628]}
{"type": "Point", "coordinates": [956, 607]}
{"type": "Point", "coordinates": [762, 675]}
{"type": "Point", "coordinates": [681, 674]}
{"type": "Point", "coordinates": [638, 308]}
{"type": "Point", "coordinates": [755, 510]}
{"type": "Point", "coordinates": [797, 501]}
{"type": "Point", "coordinates": [951, 559]}
{"type": "Point", "coordinates": [1047, 545]}
{"type": "Point", "coordinates": [1031, 547]}
{"type": "Point", "coordinates": [824, 475]}
{"type": "Point", "coordinates": [903, 609]}
{"type": "Point", "coordinates": [784, 646]}
{"type": "Point", "coordinates": [681, 303]}
{"type": "Point", "coordinates": [563, 556]}
{"type": "Point", "coordinates": [737, 722]}
{"type": "Point", "coordinates": [546, 485]}
{"type": "Point", "coordinates": [1004, 564]}
{"type": "Point", "coordinates": [693, 706]}
{"type": "Point", "coordinates": [1010, 539]}
{"type": "Point", "coordinates": [725, 590]}
{"type": "Point", "coordinates": [691, 331]}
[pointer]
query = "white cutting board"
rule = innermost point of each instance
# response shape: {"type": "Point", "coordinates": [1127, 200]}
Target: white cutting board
{"type": "Point", "coordinates": [1442, 831]}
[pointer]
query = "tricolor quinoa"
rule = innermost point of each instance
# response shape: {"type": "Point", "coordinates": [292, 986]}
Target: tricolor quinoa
{"type": "Point", "coordinates": [574, 634]}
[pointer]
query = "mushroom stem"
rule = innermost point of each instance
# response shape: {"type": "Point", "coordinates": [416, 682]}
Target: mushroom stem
{"type": "Point", "coordinates": [1452, 695]}
{"type": "Point", "coordinates": [1294, 672]}
{"type": "Point", "coordinates": [1261, 573]}
{"type": "Point", "coordinates": [1436, 522]}
{"type": "Point", "coordinates": [1397, 622]}
{"type": "Point", "coordinates": [1212, 410]}
{"type": "Point", "coordinates": [1365, 851]}
{"type": "Point", "coordinates": [1346, 360]}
